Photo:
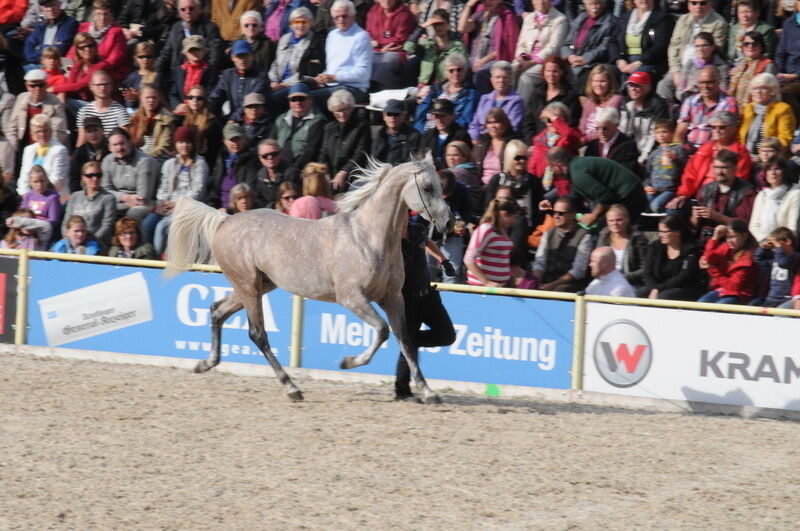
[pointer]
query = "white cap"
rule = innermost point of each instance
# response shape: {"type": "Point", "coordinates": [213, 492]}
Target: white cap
{"type": "Point", "coordinates": [36, 75]}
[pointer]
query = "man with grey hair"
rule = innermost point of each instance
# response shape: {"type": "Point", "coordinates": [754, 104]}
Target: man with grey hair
{"type": "Point", "coordinates": [251, 29]}
{"type": "Point", "coordinates": [611, 143]}
{"type": "Point", "coordinates": [696, 111]}
{"type": "Point", "coordinates": [348, 57]}
{"type": "Point", "coordinates": [607, 279]}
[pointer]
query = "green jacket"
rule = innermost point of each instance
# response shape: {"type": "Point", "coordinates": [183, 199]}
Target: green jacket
{"type": "Point", "coordinates": [601, 180]}
{"type": "Point", "coordinates": [302, 145]}
{"type": "Point", "coordinates": [432, 58]}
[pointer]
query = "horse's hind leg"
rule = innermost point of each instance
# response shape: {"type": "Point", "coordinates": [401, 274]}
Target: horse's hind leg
{"type": "Point", "coordinates": [394, 306]}
{"type": "Point", "coordinates": [359, 305]}
{"type": "Point", "coordinates": [255, 316]}
{"type": "Point", "coordinates": [221, 310]}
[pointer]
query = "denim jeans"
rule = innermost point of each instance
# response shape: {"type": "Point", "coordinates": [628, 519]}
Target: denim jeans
{"type": "Point", "coordinates": [658, 200]}
{"type": "Point", "coordinates": [714, 297]}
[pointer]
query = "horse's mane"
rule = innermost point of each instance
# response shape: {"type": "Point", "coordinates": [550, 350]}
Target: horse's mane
{"type": "Point", "coordinates": [366, 181]}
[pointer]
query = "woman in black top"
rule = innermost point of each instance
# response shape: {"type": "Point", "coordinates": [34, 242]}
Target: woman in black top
{"type": "Point", "coordinates": [346, 140]}
{"type": "Point", "coordinates": [671, 270]}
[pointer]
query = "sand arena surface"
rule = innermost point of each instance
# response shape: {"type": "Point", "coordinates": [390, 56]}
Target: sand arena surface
{"type": "Point", "coordinates": [86, 445]}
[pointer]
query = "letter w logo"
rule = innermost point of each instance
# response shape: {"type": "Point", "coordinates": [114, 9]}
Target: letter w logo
{"type": "Point", "coordinates": [631, 361]}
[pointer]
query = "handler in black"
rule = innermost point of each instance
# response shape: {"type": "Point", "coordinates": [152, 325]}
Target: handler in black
{"type": "Point", "coordinates": [423, 304]}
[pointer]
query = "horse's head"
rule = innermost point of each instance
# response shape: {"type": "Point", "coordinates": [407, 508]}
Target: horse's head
{"type": "Point", "coordinates": [423, 193]}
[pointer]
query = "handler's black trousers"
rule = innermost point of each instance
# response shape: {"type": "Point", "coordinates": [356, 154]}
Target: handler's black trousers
{"type": "Point", "coordinates": [429, 310]}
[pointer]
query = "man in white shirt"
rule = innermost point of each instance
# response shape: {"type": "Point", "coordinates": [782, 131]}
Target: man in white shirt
{"type": "Point", "coordinates": [348, 56]}
{"type": "Point", "coordinates": [607, 280]}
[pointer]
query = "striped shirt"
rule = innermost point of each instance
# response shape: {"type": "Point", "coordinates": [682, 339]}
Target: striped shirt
{"type": "Point", "coordinates": [491, 252]}
{"type": "Point", "coordinates": [114, 116]}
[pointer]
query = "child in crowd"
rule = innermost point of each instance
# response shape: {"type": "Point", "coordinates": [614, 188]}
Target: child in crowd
{"type": "Point", "coordinates": [777, 252]}
{"type": "Point", "coordinates": [51, 64]}
{"type": "Point", "coordinates": [769, 151]}
{"type": "Point", "coordinates": [42, 199]}
{"type": "Point", "coordinates": [26, 232]}
{"type": "Point", "coordinates": [78, 240]}
{"type": "Point", "coordinates": [728, 258]}
{"type": "Point", "coordinates": [664, 166]}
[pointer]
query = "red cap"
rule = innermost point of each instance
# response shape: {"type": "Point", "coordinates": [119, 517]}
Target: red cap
{"type": "Point", "coordinates": [640, 78]}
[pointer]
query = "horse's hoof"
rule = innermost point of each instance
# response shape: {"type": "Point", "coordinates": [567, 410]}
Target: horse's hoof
{"type": "Point", "coordinates": [347, 362]}
{"type": "Point", "coordinates": [202, 366]}
{"type": "Point", "coordinates": [433, 399]}
{"type": "Point", "coordinates": [296, 396]}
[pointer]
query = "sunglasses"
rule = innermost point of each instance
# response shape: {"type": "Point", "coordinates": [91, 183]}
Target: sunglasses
{"type": "Point", "coordinates": [289, 197]}
{"type": "Point", "coordinates": [393, 114]}
{"type": "Point", "coordinates": [187, 9]}
{"type": "Point", "coordinates": [86, 46]}
{"type": "Point", "coordinates": [455, 70]}
{"type": "Point", "coordinates": [93, 175]}
{"type": "Point", "coordinates": [300, 22]}
{"type": "Point", "coordinates": [296, 99]}
{"type": "Point", "coordinates": [559, 213]}
{"type": "Point", "coordinates": [749, 44]}
{"type": "Point", "coordinates": [102, 84]}
{"type": "Point", "coordinates": [36, 85]}
{"type": "Point", "coordinates": [520, 158]}
{"type": "Point", "coordinates": [270, 155]}
{"type": "Point", "coordinates": [197, 98]}
{"type": "Point", "coordinates": [144, 56]}
{"type": "Point", "coordinates": [698, 3]}
{"type": "Point", "coordinates": [250, 25]}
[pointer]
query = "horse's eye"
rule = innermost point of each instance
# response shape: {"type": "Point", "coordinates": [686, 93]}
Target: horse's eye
{"type": "Point", "coordinates": [428, 189]}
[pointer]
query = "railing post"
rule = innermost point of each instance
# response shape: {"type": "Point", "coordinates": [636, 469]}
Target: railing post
{"type": "Point", "coordinates": [21, 324]}
{"type": "Point", "coordinates": [578, 340]}
{"type": "Point", "coordinates": [296, 347]}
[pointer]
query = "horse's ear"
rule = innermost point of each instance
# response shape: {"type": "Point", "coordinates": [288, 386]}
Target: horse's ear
{"type": "Point", "coordinates": [429, 159]}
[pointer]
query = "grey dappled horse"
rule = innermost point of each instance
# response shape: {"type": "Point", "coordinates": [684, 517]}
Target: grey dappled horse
{"type": "Point", "coordinates": [352, 258]}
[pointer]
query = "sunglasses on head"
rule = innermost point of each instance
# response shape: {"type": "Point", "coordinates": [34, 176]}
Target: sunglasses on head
{"type": "Point", "coordinates": [295, 99]}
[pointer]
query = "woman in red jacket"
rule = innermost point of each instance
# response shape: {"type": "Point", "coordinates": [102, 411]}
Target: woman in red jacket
{"type": "Point", "coordinates": [557, 132]}
{"type": "Point", "coordinates": [728, 257]}
{"type": "Point", "coordinates": [111, 44]}
{"type": "Point", "coordinates": [76, 87]}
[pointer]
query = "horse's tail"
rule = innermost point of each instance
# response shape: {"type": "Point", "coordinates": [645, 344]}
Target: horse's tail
{"type": "Point", "coordinates": [191, 233]}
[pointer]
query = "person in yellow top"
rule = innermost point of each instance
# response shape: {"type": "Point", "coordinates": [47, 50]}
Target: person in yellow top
{"type": "Point", "coordinates": [765, 116]}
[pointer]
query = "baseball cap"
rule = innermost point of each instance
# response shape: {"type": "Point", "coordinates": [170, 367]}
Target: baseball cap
{"type": "Point", "coordinates": [92, 121]}
{"type": "Point", "coordinates": [640, 78]}
{"type": "Point", "coordinates": [36, 75]}
{"type": "Point", "coordinates": [298, 89]}
{"type": "Point", "coordinates": [232, 130]}
{"type": "Point", "coordinates": [395, 106]}
{"type": "Point", "coordinates": [194, 41]}
{"type": "Point", "coordinates": [254, 98]}
{"type": "Point", "coordinates": [241, 47]}
{"type": "Point", "coordinates": [442, 106]}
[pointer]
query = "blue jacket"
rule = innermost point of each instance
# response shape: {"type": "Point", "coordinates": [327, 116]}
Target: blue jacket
{"type": "Point", "coordinates": [787, 56]}
{"type": "Point", "coordinates": [63, 246]}
{"type": "Point", "coordinates": [465, 103]}
{"type": "Point", "coordinates": [67, 28]}
{"type": "Point", "coordinates": [782, 269]}
{"type": "Point", "coordinates": [233, 87]}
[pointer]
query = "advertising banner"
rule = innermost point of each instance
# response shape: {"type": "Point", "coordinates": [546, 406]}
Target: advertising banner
{"type": "Point", "coordinates": [8, 298]}
{"type": "Point", "coordinates": [137, 311]}
{"type": "Point", "coordinates": [719, 358]}
{"type": "Point", "coordinates": [499, 340]}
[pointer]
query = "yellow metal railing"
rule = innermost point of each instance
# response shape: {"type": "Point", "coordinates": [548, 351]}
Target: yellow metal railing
{"type": "Point", "coordinates": [298, 313]}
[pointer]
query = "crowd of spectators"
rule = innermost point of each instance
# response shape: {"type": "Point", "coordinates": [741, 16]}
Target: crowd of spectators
{"type": "Point", "coordinates": [564, 131]}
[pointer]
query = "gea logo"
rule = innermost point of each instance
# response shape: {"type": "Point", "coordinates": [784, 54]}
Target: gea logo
{"type": "Point", "coordinates": [623, 353]}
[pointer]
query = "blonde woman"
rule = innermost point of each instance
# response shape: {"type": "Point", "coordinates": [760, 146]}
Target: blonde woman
{"type": "Point", "coordinates": [316, 200]}
{"type": "Point", "coordinates": [527, 191]}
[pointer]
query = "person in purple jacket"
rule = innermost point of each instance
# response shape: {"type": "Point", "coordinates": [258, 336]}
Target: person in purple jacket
{"type": "Point", "coordinates": [502, 96]}
{"type": "Point", "coordinates": [42, 199]}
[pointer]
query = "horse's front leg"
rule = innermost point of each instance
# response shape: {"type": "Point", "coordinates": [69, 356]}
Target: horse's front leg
{"type": "Point", "coordinates": [357, 303]}
{"type": "Point", "coordinates": [394, 306]}
{"type": "Point", "coordinates": [221, 310]}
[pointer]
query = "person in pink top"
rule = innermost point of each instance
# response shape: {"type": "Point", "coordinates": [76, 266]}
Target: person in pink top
{"type": "Point", "coordinates": [488, 256]}
{"type": "Point", "coordinates": [315, 201]}
{"type": "Point", "coordinates": [602, 91]}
